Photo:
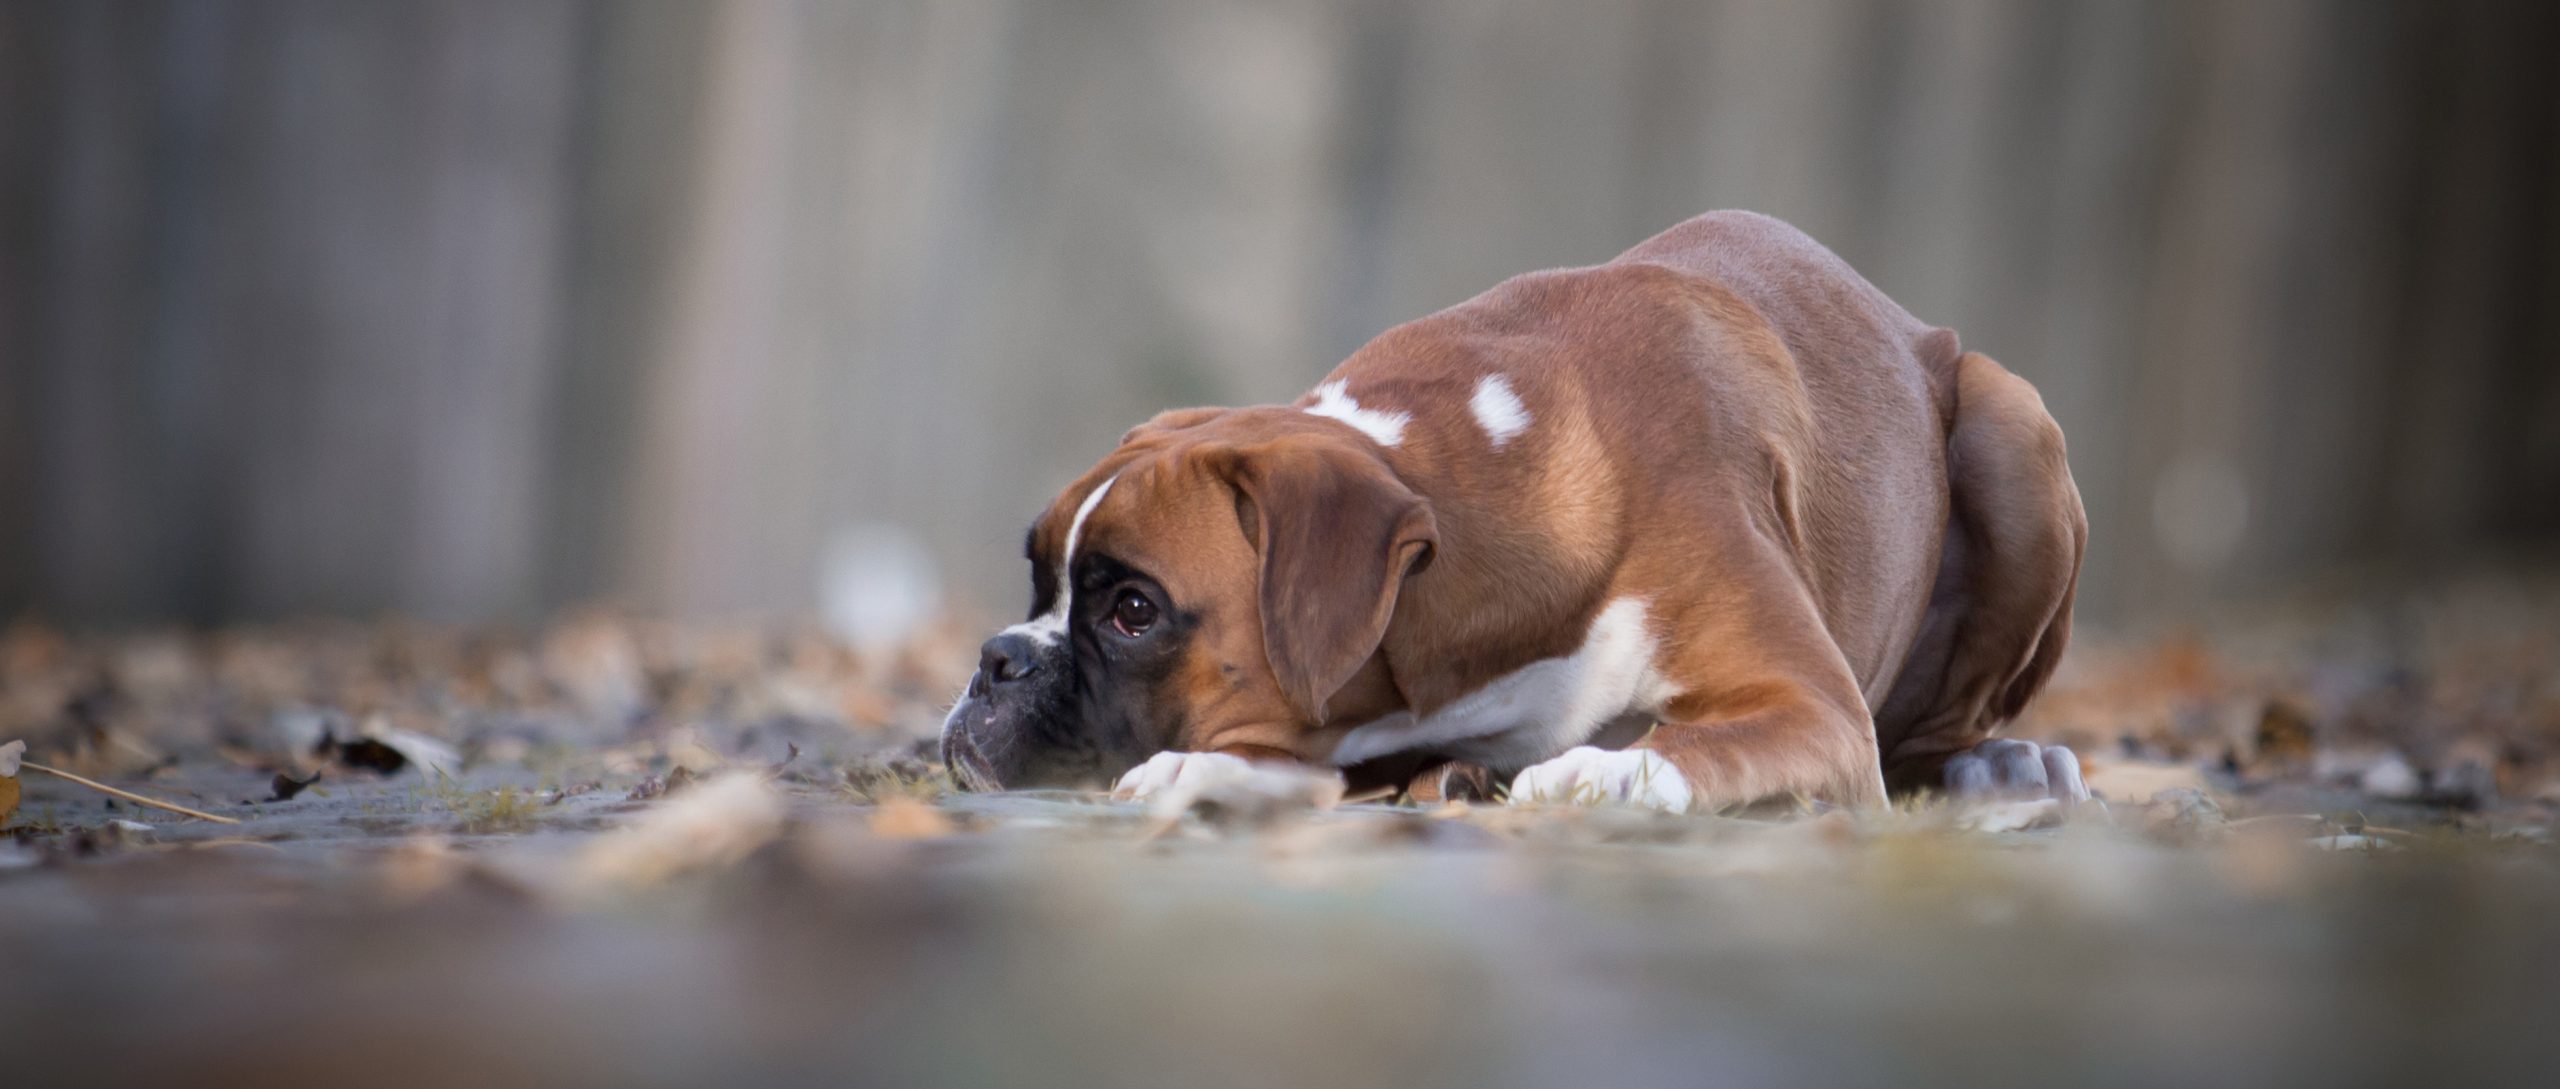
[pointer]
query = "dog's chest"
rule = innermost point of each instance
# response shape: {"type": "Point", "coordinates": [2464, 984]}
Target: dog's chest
{"type": "Point", "coordinates": [1536, 711]}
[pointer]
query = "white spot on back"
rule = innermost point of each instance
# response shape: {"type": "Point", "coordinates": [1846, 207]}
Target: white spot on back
{"type": "Point", "coordinates": [1538, 710]}
{"type": "Point", "coordinates": [1333, 400]}
{"type": "Point", "coordinates": [1053, 624]}
{"type": "Point", "coordinates": [1498, 410]}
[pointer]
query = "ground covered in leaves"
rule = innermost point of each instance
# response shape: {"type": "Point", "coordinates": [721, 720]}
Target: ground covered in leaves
{"type": "Point", "coordinates": [621, 852]}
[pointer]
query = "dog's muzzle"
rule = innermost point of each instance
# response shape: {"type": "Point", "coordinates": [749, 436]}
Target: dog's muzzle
{"type": "Point", "coordinates": [984, 736]}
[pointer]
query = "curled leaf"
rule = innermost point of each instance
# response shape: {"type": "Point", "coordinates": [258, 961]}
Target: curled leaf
{"type": "Point", "coordinates": [907, 818]}
{"type": "Point", "coordinates": [714, 825]}
{"type": "Point", "coordinates": [286, 786]}
{"type": "Point", "coordinates": [10, 755]}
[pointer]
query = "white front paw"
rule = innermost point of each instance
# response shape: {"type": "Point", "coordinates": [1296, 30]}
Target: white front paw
{"type": "Point", "coordinates": [1232, 788]}
{"type": "Point", "coordinates": [1589, 776]}
{"type": "Point", "coordinates": [1192, 771]}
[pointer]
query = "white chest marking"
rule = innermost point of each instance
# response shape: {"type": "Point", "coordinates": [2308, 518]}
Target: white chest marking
{"type": "Point", "coordinates": [1498, 410]}
{"type": "Point", "coordinates": [1333, 400]}
{"type": "Point", "coordinates": [1537, 710]}
{"type": "Point", "coordinates": [1053, 624]}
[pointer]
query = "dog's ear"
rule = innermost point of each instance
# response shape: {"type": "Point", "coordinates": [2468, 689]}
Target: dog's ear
{"type": "Point", "coordinates": [1172, 419]}
{"type": "Point", "coordinates": [1337, 533]}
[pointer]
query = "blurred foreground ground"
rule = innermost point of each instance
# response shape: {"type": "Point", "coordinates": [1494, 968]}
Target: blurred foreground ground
{"type": "Point", "coordinates": [616, 852]}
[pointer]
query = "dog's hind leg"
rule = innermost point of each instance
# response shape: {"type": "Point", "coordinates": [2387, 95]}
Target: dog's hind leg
{"type": "Point", "coordinates": [2001, 609]}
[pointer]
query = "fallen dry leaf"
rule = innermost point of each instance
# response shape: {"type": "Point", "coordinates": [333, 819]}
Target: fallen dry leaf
{"type": "Point", "coordinates": [655, 787]}
{"type": "Point", "coordinates": [2352, 842]}
{"type": "Point", "coordinates": [2182, 816]}
{"type": "Point", "coordinates": [2285, 737]}
{"type": "Point", "coordinates": [286, 786]}
{"type": "Point", "coordinates": [721, 820]}
{"type": "Point", "coordinates": [367, 754]}
{"type": "Point", "coordinates": [2139, 781]}
{"type": "Point", "coordinates": [906, 818]}
{"type": "Point", "coordinates": [372, 745]}
{"type": "Point", "coordinates": [431, 756]}
{"type": "Point", "coordinates": [416, 867]}
{"type": "Point", "coordinates": [10, 755]}
{"type": "Point", "coordinates": [2393, 778]}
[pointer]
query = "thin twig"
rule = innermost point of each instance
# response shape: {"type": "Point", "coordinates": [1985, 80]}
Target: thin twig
{"type": "Point", "coordinates": [209, 844]}
{"type": "Point", "coordinates": [129, 796]}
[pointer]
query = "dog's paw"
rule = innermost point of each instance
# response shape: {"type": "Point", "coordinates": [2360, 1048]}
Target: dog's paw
{"type": "Point", "coordinates": [1587, 776]}
{"type": "Point", "coordinates": [1191, 771]}
{"type": "Point", "coordinates": [2007, 768]}
{"type": "Point", "coordinates": [1228, 789]}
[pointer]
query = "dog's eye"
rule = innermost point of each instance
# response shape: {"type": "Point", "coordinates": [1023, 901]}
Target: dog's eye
{"type": "Point", "coordinates": [1133, 613]}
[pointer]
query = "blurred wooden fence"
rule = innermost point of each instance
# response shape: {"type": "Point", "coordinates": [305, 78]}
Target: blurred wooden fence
{"type": "Point", "coordinates": [473, 308]}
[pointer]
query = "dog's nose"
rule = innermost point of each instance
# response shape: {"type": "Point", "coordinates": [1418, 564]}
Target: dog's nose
{"type": "Point", "coordinates": [1008, 657]}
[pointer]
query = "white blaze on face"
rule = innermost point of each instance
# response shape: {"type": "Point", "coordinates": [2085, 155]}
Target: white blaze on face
{"type": "Point", "coordinates": [1053, 624]}
{"type": "Point", "coordinates": [1498, 410]}
{"type": "Point", "coordinates": [1333, 401]}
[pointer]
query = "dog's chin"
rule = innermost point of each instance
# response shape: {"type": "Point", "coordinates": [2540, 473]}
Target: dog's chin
{"type": "Point", "coordinates": [968, 764]}
{"type": "Point", "coordinates": [988, 746]}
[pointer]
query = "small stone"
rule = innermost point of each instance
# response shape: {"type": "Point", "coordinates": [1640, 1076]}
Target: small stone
{"type": "Point", "coordinates": [2391, 777]}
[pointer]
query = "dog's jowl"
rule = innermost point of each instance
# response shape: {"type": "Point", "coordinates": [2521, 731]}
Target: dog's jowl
{"type": "Point", "coordinates": [1711, 523]}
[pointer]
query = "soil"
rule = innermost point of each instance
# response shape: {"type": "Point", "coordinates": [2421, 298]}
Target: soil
{"type": "Point", "coordinates": [618, 852]}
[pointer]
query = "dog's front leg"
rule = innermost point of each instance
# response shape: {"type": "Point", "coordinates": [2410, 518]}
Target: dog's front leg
{"type": "Point", "coordinates": [1765, 707]}
{"type": "Point", "coordinates": [1208, 773]}
{"type": "Point", "coordinates": [1707, 766]}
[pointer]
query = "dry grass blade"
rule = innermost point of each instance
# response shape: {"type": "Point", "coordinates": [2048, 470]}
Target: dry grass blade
{"type": "Point", "coordinates": [127, 795]}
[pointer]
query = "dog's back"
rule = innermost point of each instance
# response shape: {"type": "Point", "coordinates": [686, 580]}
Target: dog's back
{"type": "Point", "coordinates": [2008, 557]}
{"type": "Point", "coordinates": [1732, 371]}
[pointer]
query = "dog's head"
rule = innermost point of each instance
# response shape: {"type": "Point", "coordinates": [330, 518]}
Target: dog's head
{"type": "Point", "coordinates": [1212, 585]}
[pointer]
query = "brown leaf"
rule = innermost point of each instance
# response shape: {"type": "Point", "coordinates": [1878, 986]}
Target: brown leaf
{"type": "Point", "coordinates": [2285, 735]}
{"type": "Point", "coordinates": [725, 818]}
{"type": "Point", "coordinates": [906, 818]}
{"type": "Point", "coordinates": [655, 787]}
{"type": "Point", "coordinates": [370, 755]}
{"type": "Point", "coordinates": [286, 786]}
{"type": "Point", "coordinates": [2139, 781]}
{"type": "Point", "coordinates": [10, 755]}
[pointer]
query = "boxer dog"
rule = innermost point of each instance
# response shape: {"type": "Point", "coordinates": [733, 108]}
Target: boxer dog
{"type": "Point", "coordinates": [1713, 523]}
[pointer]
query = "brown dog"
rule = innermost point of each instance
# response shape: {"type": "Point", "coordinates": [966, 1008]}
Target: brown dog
{"type": "Point", "coordinates": [1711, 523]}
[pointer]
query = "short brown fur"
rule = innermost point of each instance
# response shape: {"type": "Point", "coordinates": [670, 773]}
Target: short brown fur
{"type": "Point", "coordinates": [1826, 506]}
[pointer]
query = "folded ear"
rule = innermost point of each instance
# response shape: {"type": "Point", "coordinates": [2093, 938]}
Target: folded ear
{"type": "Point", "coordinates": [1172, 419]}
{"type": "Point", "coordinates": [1338, 533]}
